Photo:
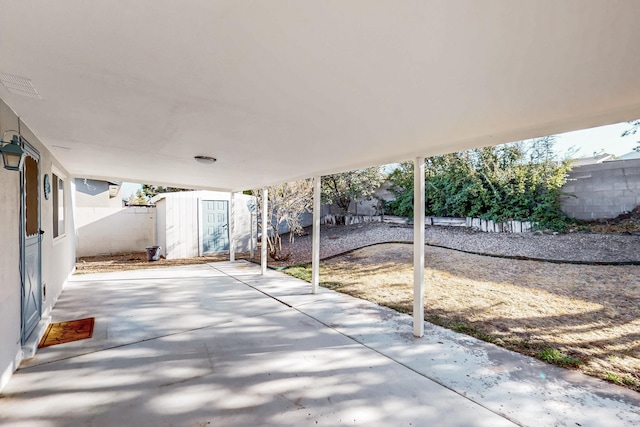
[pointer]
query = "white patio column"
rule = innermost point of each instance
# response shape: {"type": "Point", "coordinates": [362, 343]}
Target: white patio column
{"type": "Point", "coordinates": [263, 245]}
{"type": "Point", "coordinates": [418, 247]}
{"type": "Point", "coordinates": [252, 225]}
{"type": "Point", "coordinates": [315, 257]}
{"type": "Point", "coordinates": [232, 227]}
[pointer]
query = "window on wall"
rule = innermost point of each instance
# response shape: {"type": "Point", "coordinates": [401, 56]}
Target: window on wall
{"type": "Point", "coordinates": [32, 216]}
{"type": "Point", "coordinates": [57, 193]}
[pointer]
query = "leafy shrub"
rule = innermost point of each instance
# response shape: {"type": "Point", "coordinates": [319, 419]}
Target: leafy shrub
{"type": "Point", "coordinates": [518, 181]}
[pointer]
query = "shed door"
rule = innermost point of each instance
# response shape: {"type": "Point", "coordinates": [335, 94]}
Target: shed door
{"type": "Point", "coordinates": [31, 243]}
{"type": "Point", "coordinates": [215, 226]}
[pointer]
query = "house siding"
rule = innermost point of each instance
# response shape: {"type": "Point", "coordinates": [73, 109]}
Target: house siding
{"type": "Point", "coordinates": [178, 230]}
{"type": "Point", "coordinates": [58, 255]}
{"type": "Point", "coordinates": [104, 226]}
{"type": "Point", "coordinates": [10, 290]}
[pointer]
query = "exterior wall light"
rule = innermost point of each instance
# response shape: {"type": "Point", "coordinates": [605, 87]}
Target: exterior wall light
{"type": "Point", "coordinates": [12, 153]}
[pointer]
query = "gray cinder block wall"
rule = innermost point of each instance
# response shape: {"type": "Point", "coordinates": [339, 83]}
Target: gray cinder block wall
{"type": "Point", "coordinates": [603, 190]}
{"type": "Point", "coordinates": [368, 206]}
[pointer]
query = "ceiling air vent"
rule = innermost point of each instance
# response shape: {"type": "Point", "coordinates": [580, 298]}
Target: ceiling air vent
{"type": "Point", "coordinates": [19, 86]}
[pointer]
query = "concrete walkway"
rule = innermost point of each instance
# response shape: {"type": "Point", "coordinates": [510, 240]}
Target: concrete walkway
{"type": "Point", "coordinates": [221, 345]}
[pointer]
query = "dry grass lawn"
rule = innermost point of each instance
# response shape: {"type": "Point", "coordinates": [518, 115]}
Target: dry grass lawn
{"type": "Point", "coordinates": [584, 317]}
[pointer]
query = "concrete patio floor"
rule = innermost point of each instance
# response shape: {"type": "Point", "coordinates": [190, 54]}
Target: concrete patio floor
{"type": "Point", "coordinates": [220, 344]}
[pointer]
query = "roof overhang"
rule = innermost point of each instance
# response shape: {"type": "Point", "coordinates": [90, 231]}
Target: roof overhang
{"type": "Point", "coordinates": [283, 90]}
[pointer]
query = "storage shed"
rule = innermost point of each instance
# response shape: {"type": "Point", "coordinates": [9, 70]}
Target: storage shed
{"type": "Point", "coordinates": [197, 223]}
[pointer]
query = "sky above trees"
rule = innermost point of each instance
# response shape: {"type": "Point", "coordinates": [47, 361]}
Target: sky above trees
{"type": "Point", "coordinates": [607, 138]}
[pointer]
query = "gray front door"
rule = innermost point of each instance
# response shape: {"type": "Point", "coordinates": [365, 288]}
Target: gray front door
{"type": "Point", "coordinates": [31, 243]}
{"type": "Point", "coordinates": [215, 226]}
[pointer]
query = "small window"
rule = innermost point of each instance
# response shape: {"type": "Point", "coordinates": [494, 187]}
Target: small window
{"type": "Point", "coordinates": [32, 216]}
{"type": "Point", "coordinates": [57, 193]}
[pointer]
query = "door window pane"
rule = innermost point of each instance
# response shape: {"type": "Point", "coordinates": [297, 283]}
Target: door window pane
{"type": "Point", "coordinates": [31, 196]}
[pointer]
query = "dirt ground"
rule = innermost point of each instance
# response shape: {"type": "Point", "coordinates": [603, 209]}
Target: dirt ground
{"type": "Point", "coordinates": [133, 261]}
{"type": "Point", "coordinates": [589, 314]}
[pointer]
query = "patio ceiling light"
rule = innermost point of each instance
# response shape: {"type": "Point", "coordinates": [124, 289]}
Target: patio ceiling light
{"type": "Point", "coordinates": [205, 159]}
{"type": "Point", "coordinates": [12, 152]}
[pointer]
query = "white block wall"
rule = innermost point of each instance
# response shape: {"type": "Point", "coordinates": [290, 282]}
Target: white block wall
{"type": "Point", "coordinates": [114, 230]}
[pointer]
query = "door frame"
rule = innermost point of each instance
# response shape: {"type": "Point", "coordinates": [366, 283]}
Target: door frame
{"type": "Point", "coordinates": [200, 201]}
{"type": "Point", "coordinates": [24, 332]}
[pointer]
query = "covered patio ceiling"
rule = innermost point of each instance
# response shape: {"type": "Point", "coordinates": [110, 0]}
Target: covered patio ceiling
{"type": "Point", "coordinates": [282, 90]}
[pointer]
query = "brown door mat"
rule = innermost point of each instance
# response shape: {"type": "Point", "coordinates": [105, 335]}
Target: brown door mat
{"type": "Point", "coordinates": [63, 332]}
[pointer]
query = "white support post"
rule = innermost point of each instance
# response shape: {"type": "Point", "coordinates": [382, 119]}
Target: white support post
{"type": "Point", "coordinates": [263, 245]}
{"type": "Point", "coordinates": [232, 227]}
{"type": "Point", "coordinates": [418, 247]}
{"type": "Point", "coordinates": [315, 257]}
{"type": "Point", "coordinates": [251, 226]}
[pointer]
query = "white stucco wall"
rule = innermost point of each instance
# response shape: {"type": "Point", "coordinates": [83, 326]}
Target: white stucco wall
{"type": "Point", "coordinates": [9, 271]}
{"type": "Point", "coordinates": [58, 255]}
{"type": "Point", "coordinates": [104, 230]}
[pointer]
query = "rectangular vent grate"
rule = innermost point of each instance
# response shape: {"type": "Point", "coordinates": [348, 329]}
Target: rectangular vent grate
{"type": "Point", "coordinates": [19, 86]}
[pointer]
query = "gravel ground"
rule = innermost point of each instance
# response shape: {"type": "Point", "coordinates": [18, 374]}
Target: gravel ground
{"type": "Point", "coordinates": [581, 247]}
{"type": "Point", "coordinates": [586, 247]}
{"type": "Point", "coordinates": [335, 240]}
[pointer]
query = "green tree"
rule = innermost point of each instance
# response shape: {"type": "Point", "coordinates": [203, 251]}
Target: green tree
{"type": "Point", "coordinates": [343, 188]}
{"type": "Point", "coordinates": [285, 205]}
{"type": "Point", "coordinates": [635, 126]}
{"type": "Point", "coordinates": [401, 179]}
{"type": "Point", "coordinates": [520, 181]}
{"type": "Point", "coordinates": [137, 199]}
{"type": "Point", "coordinates": [152, 190]}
